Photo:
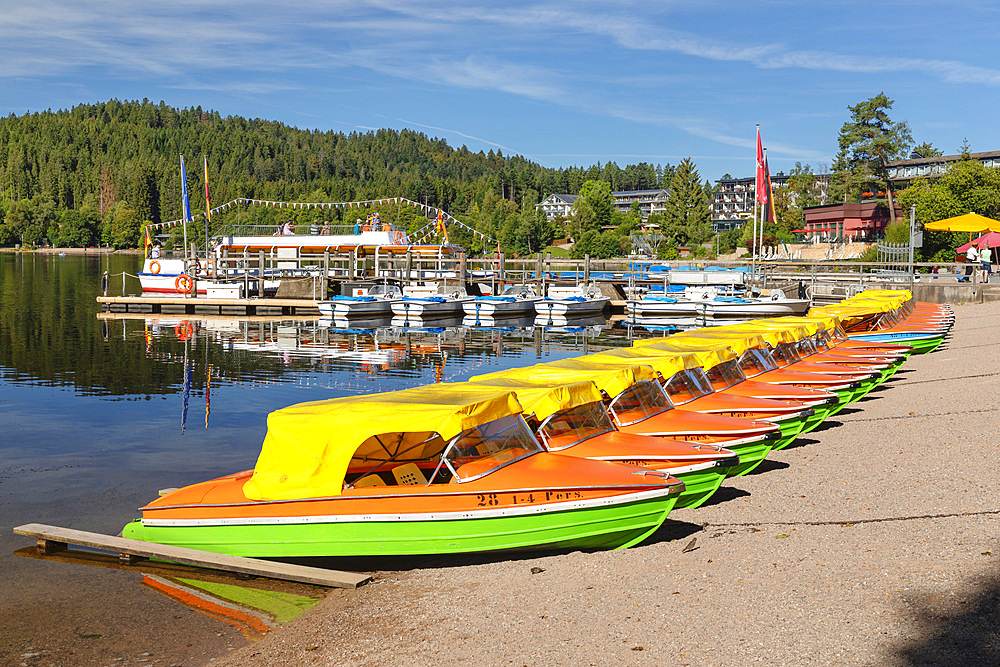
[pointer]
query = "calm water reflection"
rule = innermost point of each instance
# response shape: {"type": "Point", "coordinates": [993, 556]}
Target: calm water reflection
{"type": "Point", "coordinates": [99, 412]}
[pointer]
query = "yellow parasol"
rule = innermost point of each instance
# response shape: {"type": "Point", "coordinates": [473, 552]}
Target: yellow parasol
{"type": "Point", "coordinates": [970, 222]}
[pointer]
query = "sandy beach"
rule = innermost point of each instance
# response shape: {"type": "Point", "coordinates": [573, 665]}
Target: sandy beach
{"type": "Point", "coordinates": [874, 540]}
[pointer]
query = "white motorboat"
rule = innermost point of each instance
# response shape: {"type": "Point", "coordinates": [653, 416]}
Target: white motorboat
{"type": "Point", "coordinates": [426, 302]}
{"type": "Point", "coordinates": [573, 301]}
{"type": "Point", "coordinates": [772, 305]}
{"type": "Point", "coordinates": [514, 300]}
{"type": "Point", "coordinates": [372, 301]}
{"type": "Point", "coordinates": [653, 305]}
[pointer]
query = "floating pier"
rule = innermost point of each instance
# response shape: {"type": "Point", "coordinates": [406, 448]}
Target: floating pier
{"type": "Point", "coordinates": [50, 539]}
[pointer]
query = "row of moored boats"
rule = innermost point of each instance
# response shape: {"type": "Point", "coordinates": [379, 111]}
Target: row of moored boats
{"type": "Point", "coordinates": [514, 301]}
{"type": "Point", "coordinates": [589, 452]}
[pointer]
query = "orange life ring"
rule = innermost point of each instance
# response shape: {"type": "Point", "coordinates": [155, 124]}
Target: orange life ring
{"type": "Point", "coordinates": [397, 237]}
{"type": "Point", "coordinates": [184, 330]}
{"type": "Point", "coordinates": [183, 283]}
{"type": "Point", "coordinates": [154, 267]}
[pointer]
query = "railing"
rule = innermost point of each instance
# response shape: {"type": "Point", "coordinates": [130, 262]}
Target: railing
{"type": "Point", "coordinates": [311, 228]}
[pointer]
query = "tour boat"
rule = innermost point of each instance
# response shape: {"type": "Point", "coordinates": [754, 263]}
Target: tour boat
{"type": "Point", "coordinates": [571, 419]}
{"type": "Point", "coordinates": [430, 470]}
{"type": "Point", "coordinates": [513, 301]}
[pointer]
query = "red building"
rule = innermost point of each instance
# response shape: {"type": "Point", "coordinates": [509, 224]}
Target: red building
{"type": "Point", "coordinates": [842, 222]}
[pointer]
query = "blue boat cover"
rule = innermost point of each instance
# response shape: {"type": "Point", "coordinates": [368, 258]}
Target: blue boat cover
{"type": "Point", "coordinates": [660, 299]}
{"type": "Point", "coordinates": [353, 298]}
{"type": "Point", "coordinates": [505, 299]}
{"type": "Point", "coordinates": [435, 299]}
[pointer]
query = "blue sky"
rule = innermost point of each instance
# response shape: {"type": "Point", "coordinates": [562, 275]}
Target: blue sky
{"type": "Point", "coordinates": [562, 83]}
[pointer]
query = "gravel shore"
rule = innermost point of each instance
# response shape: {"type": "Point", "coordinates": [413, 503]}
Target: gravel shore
{"type": "Point", "coordinates": [873, 540]}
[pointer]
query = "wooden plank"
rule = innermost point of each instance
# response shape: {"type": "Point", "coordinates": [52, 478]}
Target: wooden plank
{"type": "Point", "coordinates": [205, 301]}
{"type": "Point", "coordinates": [255, 566]}
{"type": "Point", "coordinates": [207, 317]}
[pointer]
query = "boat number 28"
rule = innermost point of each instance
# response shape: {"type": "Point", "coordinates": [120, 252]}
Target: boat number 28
{"type": "Point", "coordinates": [487, 499]}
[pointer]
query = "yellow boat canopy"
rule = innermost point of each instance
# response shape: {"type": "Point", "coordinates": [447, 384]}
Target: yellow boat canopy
{"type": "Point", "coordinates": [543, 399]}
{"type": "Point", "coordinates": [665, 362]}
{"type": "Point", "coordinates": [309, 446]}
{"type": "Point", "coordinates": [709, 353]}
{"type": "Point", "coordinates": [611, 379]}
{"type": "Point", "coordinates": [792, 331]}
{"type": "Point", "coordinates": [745, 338]}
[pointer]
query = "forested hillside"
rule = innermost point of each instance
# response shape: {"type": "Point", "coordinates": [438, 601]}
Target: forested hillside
{"type": "Point", "coordinates": [96, 172]}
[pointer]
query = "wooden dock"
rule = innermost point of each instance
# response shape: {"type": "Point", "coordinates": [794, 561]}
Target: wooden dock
{"type": "Point", "coordinates": [51, 539]}
{"type": "Point", "coordinates": [190, 305]}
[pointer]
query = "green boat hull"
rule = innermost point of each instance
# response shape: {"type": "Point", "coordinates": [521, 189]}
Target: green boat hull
{"type": "Point", "coordinates": [820, 413]}
{"type": "Point", "coordinates": [699, 486]}
{"type": "Point", "coordinates": [751, 454]}
{"type": "Point", "coordinates": [603, 527]}
{"type": "Point", "coordinates": [790, 429]}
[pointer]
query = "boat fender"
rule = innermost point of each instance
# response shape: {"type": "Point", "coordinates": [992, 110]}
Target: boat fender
{"type": "Point", "coordinates": [104, 283]}
{"type": "Point", "coordinates": [183, 283]}
{"type": "Point", "coordinates": [154, 267]}
{"type": "Point", "coordinates": [184, 330]}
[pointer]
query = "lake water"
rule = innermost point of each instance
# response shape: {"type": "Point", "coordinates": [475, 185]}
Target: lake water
{"type": "Point", "coordinates": [98, 411]}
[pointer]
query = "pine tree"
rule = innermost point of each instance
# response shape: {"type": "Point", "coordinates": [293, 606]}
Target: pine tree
{"type": "Point", "coordinates": [687, 213]}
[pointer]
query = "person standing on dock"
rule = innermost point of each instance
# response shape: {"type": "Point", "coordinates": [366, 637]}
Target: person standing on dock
{"type": "Point", "coordinates": [985, 258]}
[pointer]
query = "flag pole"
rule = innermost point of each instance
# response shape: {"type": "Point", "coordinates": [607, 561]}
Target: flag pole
{"type": "Point", "coordinates": [185, 204]}
{"type": "Point", "coordinates": [756, 197]}
{"type": "Point", "coordinates": [208, 211]}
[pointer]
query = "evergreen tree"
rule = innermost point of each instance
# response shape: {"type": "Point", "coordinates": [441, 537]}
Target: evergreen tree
{"type": "Point", "coordinates": [687, 217]}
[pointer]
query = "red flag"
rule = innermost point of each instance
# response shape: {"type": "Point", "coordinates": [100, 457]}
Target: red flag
{"type": "Point", "coordinates": [761, 185]}
{"type": "Point", "coordinates": [767, 201]}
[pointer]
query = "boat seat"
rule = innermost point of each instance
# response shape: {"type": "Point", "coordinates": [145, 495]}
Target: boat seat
{"type": "Point", "coordinates": [409, 474]}
{"type": "Point", "coordinates": [369, 480]}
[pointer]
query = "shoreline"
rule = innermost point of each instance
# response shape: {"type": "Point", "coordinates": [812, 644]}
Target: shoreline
{"type": "Point", "coordinates": [73, 251]}
{"type": "Point", "coordinates": [873, 540]}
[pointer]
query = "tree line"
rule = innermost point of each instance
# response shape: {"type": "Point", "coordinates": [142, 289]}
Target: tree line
{"type": "Point", "coordinates": [96, 173]}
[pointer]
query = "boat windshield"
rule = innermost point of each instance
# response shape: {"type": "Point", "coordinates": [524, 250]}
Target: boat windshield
{"type": "Point", "coordinates": [386, 291]}
{"type": "Point", "coordinates": [640, 401]}
{"type": "Point", "coordinates": [755, 361]}
{"type": "Point", "coordinates": [725, 375]}
{"type": "Point", "coordinates": [805, 347]}
{"type": "Point", "coordinates": [686, 386]}
{"type": "Point", "coordinates": [570, 427]}
{"type": "Point", "coordinates": [519, 291]}
{"type": "Point", "coordinates": [489, 447]}
{"type": "Point", "coordinates": [838, 335]}
{"type": "Point", "coordinates": [821, 341]}
{"type": "Point", "coordinates": [784, 354]}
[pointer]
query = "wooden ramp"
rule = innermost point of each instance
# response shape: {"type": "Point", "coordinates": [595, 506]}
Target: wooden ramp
{"type": "Point", "coordinates": [54, 538]}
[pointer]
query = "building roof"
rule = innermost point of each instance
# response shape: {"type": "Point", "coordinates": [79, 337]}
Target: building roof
{"type": "Point", "coordinates": [567, 199]}
{"type": "Point", "coordinates": [639, 193]}
{"type": "Point", "coordinates": [942, 158]}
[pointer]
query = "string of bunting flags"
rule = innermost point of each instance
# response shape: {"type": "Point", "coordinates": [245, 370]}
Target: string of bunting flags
{"type": "Point", "coordinates": [429, 228]}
